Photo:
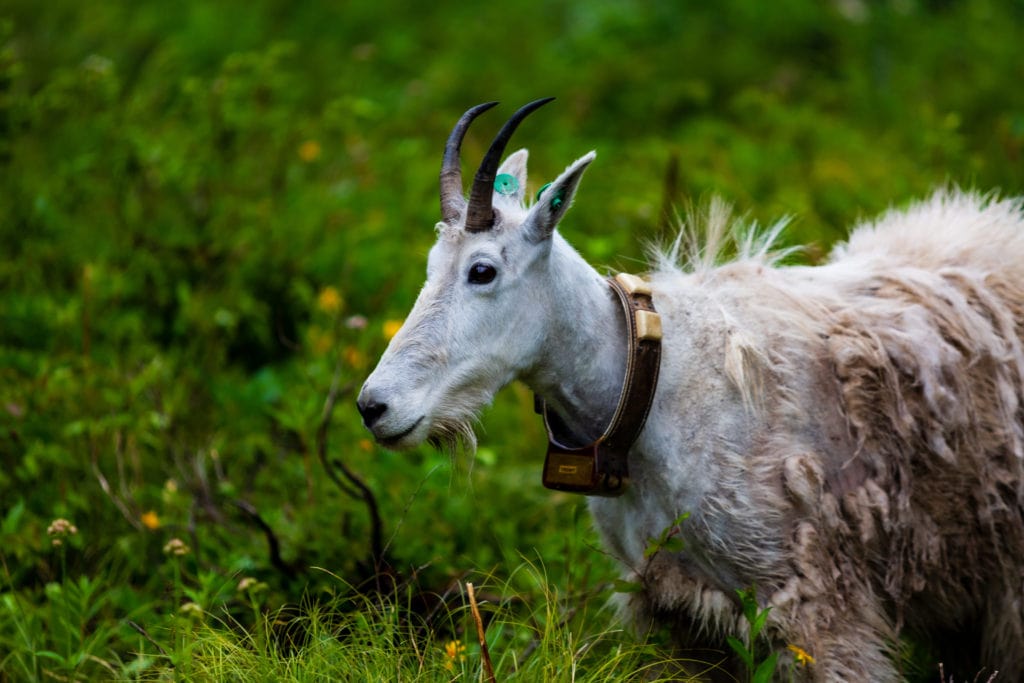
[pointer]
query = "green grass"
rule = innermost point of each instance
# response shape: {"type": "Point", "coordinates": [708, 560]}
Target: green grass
{"type": "Point", "coordinates": [212, 214]}
{"type": "Point", "coordinates": [211, 629]}
{"type": "Point", "coordinates": [343, 641]}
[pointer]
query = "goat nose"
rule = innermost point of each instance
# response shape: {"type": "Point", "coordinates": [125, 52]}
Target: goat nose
{"type": "Point", "coordinates": [371, 411]}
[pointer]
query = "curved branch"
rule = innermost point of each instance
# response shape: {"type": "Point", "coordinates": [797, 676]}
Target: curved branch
{"type": "Point", "coordinates": [354, 487]}
{"type": "Point", "coordinates": [273, 546]}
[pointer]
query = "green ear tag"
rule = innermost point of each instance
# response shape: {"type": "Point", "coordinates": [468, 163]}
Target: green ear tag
{"type": "Point", "coordinates": [557, 200]}
{"type": "Point", "coordinates": [541, 190]}
{"type": "Point", "coordinates": [506, 184]}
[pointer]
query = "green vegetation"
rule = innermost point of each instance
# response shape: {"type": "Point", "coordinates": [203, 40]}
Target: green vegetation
{"type": "Point", "coordinates": [758, 670]}
{"type": "Point", "coordinates": [212, 215]}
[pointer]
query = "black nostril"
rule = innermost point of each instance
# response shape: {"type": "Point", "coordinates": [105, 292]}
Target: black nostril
{"type": "Point", "coordinates": [371, 411]}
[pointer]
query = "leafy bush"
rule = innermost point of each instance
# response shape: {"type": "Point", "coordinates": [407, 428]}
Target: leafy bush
{"type": "Point", "coordinates": [211, 216]}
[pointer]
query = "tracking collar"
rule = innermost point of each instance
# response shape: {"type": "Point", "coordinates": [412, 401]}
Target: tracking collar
{"type": "Point", "coordinates": [601, 468]}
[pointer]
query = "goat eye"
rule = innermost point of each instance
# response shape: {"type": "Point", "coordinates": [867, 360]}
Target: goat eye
{"type": "Point", "coordinates": [481, 273]}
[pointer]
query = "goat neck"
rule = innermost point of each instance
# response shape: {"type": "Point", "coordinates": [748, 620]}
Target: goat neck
{"type": "Point", "coordinates": [582, 363]}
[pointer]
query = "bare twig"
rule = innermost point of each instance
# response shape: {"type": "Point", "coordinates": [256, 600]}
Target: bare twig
{"type": "Point", "coordinates": [345, 488]}
{"type": "Point", "coordinates": [105, 485]}
{"type": "Point", "coordinates": [485, 654]}
{"type": "Point", "coordinates": [273, 546]}
{"type": "Point", "coordinates": [145, 634]}
{"type": "Point", "coordinates": [355, 486]}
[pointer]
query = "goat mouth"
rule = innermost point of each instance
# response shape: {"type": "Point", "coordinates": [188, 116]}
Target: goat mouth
{"type": "Point", "coordinates": [389, 441]}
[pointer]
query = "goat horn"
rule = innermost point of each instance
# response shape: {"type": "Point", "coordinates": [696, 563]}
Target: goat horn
{"type": "Point", "coordinates": [480, 213]}
{"type": "Point", "coordinates": [452, 201]}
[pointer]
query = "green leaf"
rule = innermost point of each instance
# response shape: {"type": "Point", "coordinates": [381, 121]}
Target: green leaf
{"type": "Point", "coordinates": [748, 598]}
{"type": "Point", "coordinates": [746, 655]}
{"type": "Point", "coordinates": [486, 456]}
{"type": "Point", "coordinates": [766, 669]}
{"type": "Point", "coordinates": [673, 545]}
{"type": "Point", "coordinates": [13, 518]}
{"type": "Point", "coordinates": [49, 655]}
{"type": "Point", "coordinates": [758, 623]}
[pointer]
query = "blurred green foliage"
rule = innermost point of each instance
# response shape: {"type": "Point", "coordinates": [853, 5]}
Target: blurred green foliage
{"type": "Point", "coordinates": [209, 212]}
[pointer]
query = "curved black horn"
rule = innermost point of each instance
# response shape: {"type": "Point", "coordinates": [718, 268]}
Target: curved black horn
{"type": "Point", "coordinates": [452, 201]}
{"type": "Point", "coordinates": [480, 213]}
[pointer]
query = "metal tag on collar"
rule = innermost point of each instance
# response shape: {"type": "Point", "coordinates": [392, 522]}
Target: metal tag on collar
{"type": "Point", "coordinates": [582, 470]}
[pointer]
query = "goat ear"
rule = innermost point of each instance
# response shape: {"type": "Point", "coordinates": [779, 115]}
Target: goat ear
{"type": "Point", "coordinates": [554, 201]}
{"type": "Point", "coordinates": [515, 166]}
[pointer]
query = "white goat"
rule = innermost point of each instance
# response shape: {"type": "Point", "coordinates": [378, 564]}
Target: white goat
{"type": "Point", "coordinates": [848, 438]}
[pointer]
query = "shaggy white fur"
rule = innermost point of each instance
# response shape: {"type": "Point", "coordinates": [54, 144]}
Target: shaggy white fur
{"type": "Point", "coordinates": [875, 484]}
{"type": "Point", "coordinates": [847, 438]}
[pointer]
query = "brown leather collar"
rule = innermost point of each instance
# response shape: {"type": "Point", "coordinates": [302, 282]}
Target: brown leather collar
{"type": "Point", "coordinates": [601, 468]}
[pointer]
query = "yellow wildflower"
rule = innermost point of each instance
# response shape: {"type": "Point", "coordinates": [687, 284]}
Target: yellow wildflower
{"type": "Point", "coordinates": [802, 657]}
{"type": "Point", "coordinates": [355, 357]}
{"type": "Point", "coordinates": [366, 445]}
{"type": "Point", "coordinates": [329, 300]}
{"type": "Point", "coordinates": [454, 651]}
{"type": "Point", "coordinates": [309, 151]}
{"type": "Point", "coordinates": [150, 520]}
{"type": "Point", "coordinates": [391, 328]}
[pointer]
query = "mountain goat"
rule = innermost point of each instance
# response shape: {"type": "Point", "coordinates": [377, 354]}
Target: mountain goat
{"type": "Point", "coordinates": [848, 438]}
